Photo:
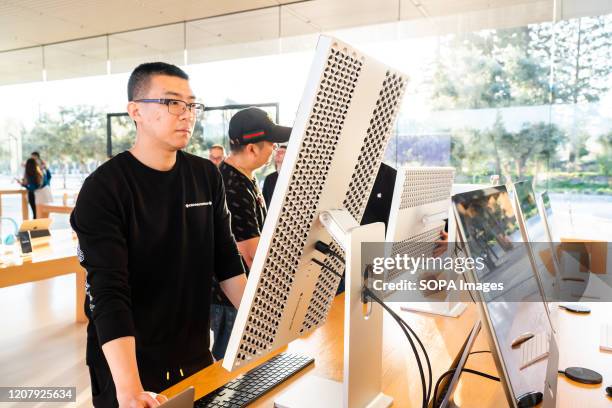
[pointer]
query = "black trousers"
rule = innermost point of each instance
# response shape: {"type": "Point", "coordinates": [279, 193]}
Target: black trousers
{"type": "Point", "coordinates": [32, 201]}
{"type": "Point", "coordinates": [104, 394]}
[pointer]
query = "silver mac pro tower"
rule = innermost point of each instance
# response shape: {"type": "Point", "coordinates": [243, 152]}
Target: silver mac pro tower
{"type": "Point", "coordinates": [420, 206]}
{"type": "Point", "coordinates": [340, 134]}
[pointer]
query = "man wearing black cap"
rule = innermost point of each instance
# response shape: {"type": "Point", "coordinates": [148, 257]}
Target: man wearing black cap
{"type": "Point", "coordinates": [253, 137]}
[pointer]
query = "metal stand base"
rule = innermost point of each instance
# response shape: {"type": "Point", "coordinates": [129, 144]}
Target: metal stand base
{"type": "Point", "coordinates": [313, 391]}
{"type": "Point", "coordinates": [437, 308]}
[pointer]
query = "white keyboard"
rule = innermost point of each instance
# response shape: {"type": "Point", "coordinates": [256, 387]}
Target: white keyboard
{"type": "Point", "coordinates": [606, 337]}
{"type": "Point", "coordinates": [534, 349]}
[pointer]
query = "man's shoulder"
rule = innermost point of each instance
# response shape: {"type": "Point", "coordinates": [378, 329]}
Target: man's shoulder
{"type": "Point", "coordinates": [113, 164]}
{"type": "Point", "coordinates": [107, 175]}
{"type": "Point", "coordinates": [229, 172]}
{"type": "Point", "coordinates": [108, 169]}
{"type": "Point", "coordinates": [235, 182]}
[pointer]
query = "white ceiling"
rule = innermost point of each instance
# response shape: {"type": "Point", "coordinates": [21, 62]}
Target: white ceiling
{"type": "Point", "coordinates": [25, 23]}
{"type": "Point", "coordinates": [224, 29]}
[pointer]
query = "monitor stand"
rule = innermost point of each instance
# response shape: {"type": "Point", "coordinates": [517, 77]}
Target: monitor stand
{"type": "Point", "coordinates": [448, 385]}
{"type": "Point", "coordinates": [447, 309]}
{"type": "Point", "coordinates": [362, 380]}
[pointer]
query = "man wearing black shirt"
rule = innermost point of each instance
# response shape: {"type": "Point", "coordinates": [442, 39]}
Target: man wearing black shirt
{"type": "Point", "coordinates": [153, 229]}
{"type": "Point", "coordinates": [272, 178]}
{"type": "Point", "coordinates": [252, 137]}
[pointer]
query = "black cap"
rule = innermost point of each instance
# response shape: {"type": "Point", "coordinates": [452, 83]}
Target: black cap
{"type": "Point", "coordinates": [252, 125]}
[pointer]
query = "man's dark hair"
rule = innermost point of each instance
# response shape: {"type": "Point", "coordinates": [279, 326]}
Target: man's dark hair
{"type": "Point", "coordinates": [141, 76]}
{"type": "Point", "coordinates": [35, 154]}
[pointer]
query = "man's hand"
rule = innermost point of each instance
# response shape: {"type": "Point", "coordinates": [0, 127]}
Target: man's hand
{"type": "Point", "coordinates": [441, 244]}
{"type": "Point", "coordinates": [140, 399]}
{"type": "Point", "coordinates": [121, 357]}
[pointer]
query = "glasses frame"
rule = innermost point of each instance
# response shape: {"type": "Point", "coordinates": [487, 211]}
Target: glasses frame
{"type": "Point", "coordinates": [199, 107]}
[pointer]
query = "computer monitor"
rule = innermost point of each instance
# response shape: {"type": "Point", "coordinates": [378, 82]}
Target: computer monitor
{"type": "Point", "coordinates": [338, 140]}
{"type": "Point", "coordinates": [419, 210]}
{"type": "Point", "coordinates": [553, 238]}
{"type": "Point", "coordinates": [182, 400]}
{"type": "Point", "coordinates": [575, 284]}
{"type": "Point", "coordinates": [489, 230]}
{"type": "Point", "coordinates": [548, 217]}
{"type": "Point", "coordinates": [534, 231]}
{"type": "Point", "coordinates": [528, 208]}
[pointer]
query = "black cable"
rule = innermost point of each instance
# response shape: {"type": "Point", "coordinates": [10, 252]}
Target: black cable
{"type": "Point", "coordinates": [435, 393]}
{"type": "Point", "coordinates": [426, 386]}
{"type": "Point", "coordinates": [326, 249]}
{"type": "Point", "coordinates": [322, 265]}
{"type": "Point", "coordinates": [320, 246]}
{"type": "Point", "coordinates": [480, 373]}
{"type": "Point", "coordinates": [430, 374]}
{"type": "Point", "coordinates": [404, 326]}
{"type": "Point", "coordinates": [465, 370]}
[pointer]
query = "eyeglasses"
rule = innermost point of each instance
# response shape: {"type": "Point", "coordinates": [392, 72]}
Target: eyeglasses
{"type": "Point", "coordinates": [176, 106]}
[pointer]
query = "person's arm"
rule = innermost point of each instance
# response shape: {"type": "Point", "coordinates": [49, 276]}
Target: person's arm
{"type": "Point", "coordinates": [247, 249]}
{"type": "Point", "coordinates": [243, 209]}
{"type": "Point", "coordinates": [229, 269]}
{"type": "Point", "coordinates": [441, 244]}
{"type": "Point", "coordinates": [121, 357]}
{"type": "Point", "coordinates": [234, 288]}
{"type": "Point", "coordinates": [98, 222]}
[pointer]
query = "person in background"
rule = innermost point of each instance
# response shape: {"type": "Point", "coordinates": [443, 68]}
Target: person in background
{"type": "Point", "coordinates": [252, 137]}
{"type": "Point", "coordinates": [270, 181]}
{"type": "Point", "coordinates": [32, 180]}
{"type": "Point", "coordinates": [216, 154]}
{"type": "Point", "coordinates": [153, 229]}
{"type": "Point", "coordinates": [43, 167]}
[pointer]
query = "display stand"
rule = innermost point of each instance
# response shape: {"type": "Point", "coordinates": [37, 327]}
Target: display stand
{"type": "Point", "coordinates": [362, 380]}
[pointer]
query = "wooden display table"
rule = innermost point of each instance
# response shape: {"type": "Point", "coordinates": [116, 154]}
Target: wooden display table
{"type": "Point", "coordinates": [43, 210]}
{"type": "Point", "coordinates": [24, 201]}
{"type": "Point", "coordinates": [443, 338]}
{"type": "Point", "coordinates": [51, 256]}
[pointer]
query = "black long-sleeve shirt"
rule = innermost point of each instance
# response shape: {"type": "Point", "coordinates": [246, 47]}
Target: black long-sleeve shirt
{"type": "Point", "coordinates": [150, 242]}
{"type": "Point", "coordinates": [269, 186]}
